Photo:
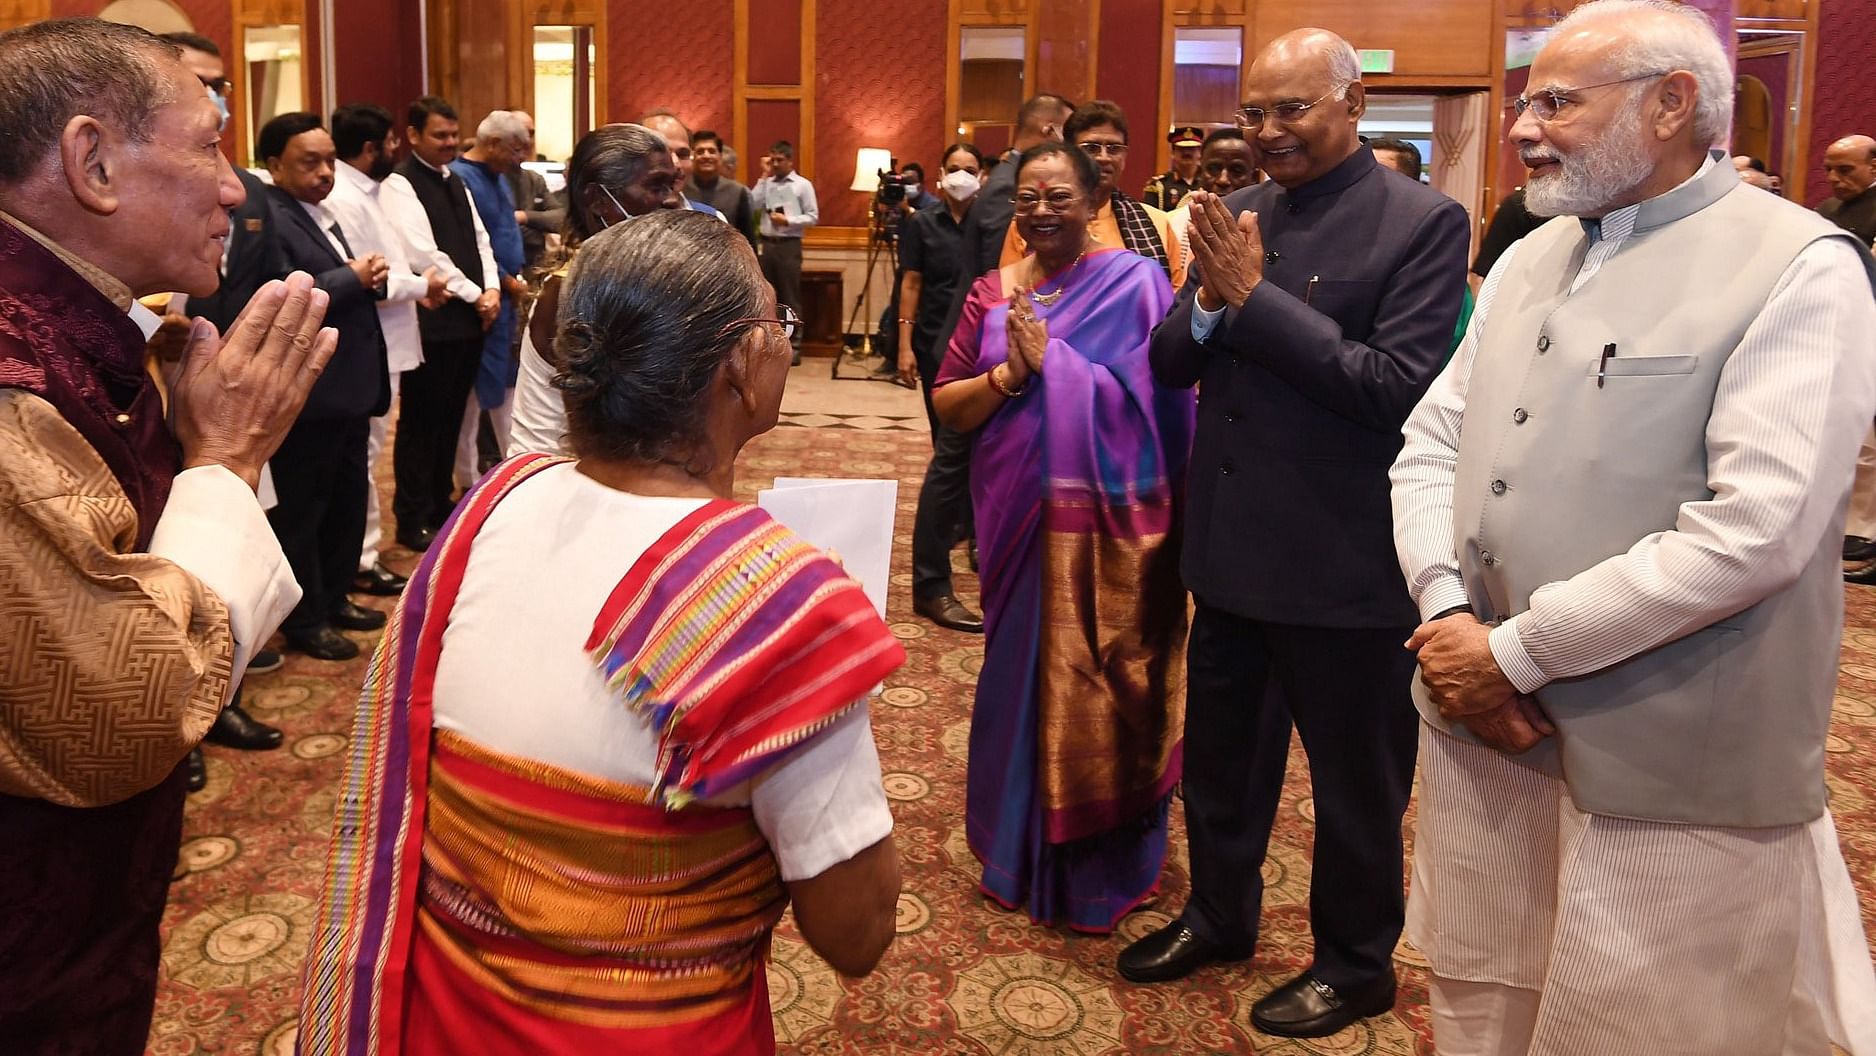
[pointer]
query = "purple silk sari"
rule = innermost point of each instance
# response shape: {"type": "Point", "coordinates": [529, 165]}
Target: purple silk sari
{"type": "Point", "coordinates": [1075, 735]}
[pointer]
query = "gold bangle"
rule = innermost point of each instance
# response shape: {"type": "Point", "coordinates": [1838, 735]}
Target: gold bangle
{"type": "Point", "coordinates": [1008, 393]}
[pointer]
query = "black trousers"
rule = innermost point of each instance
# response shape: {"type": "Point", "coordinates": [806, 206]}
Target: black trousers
{"type": "Point", "coordinates": [429, 420]}
{"type": "Point", "coordinates": [781, 265]}
{"type": "Point", "coordinates": [944, 510]}
{"type": "Point", "coordinates": [1346, 691]}
{"type": "Point", "coordinates": [321, 474]}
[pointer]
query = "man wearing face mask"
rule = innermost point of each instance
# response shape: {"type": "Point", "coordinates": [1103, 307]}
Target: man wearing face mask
{"type": "Point", "coordinates": [930, 254]}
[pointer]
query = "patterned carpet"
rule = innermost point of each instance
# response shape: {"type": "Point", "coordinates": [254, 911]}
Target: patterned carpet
{"type": "Point", "coordinates": [963, 977]}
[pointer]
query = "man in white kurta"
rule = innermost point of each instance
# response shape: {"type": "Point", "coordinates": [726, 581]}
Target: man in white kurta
{"type": "Point", "coordinates": [367, 141]}
{"type": "Point", "coordinates": [1619, 512]}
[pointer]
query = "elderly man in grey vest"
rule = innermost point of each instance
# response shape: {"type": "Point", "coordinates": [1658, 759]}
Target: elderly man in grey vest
{"type": "Point", "coordinates": [1620, 511]}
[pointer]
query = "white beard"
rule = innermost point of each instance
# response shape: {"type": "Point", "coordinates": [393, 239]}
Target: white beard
{"type": "Point", "coordinates": [1595, 174]}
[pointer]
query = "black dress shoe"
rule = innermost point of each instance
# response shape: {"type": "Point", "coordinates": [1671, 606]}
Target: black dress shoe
{"type": "Point", "coordinates": [354, 617]}
{"type": "Point", "coordinates": [265, 662]}
{"type": "Point", "coordinates": [1865, 575]}
{"type": "Point", "coordinates": [324, 644]}
{"type": "Point", "coordinates": [380, 581]}
{"type": "Point", "coordinates": [1173, 952]}
{"type": "Point", "coordinates": [946, 610]}
{"type": "Point", "coordinates": [418, 540]}
{"type": "Point", "coordinates": [1307, 1007]}
{"type": "Point", "coordinates": [198, 771]}
{"type": "Point", "coordinates": [1857, 548]}
{"type": "Point", "coordinates": [235, 728]}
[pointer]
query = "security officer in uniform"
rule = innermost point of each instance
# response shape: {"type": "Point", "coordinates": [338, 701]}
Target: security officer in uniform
{"type": "Point", "coordinates": [1165, 191]}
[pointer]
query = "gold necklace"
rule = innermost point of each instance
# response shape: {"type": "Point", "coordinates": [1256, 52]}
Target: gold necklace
{"type": "Point", "coordinates": [1047, 300]}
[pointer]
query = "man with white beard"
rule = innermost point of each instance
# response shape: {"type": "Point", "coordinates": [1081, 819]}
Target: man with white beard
{"type": "Point", "coordinates": [1627, 561]}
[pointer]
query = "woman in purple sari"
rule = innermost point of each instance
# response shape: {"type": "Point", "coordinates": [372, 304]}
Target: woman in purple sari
{"type": "Point", "coordinates": [1077, 479]}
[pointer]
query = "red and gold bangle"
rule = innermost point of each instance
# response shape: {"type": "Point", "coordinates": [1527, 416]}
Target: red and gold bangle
{"type": "Point", "coordinates": [1008, 393]}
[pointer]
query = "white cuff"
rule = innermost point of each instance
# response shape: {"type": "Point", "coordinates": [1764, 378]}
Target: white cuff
{"type": "Point", "coordinates": [1205, 321]}
{"type": "Point", "coordinates": [1508, 649]}
{"type": "Point", "coordinates": [213, 528]}
{"type": "Point", "coordinates": [1446, 592]}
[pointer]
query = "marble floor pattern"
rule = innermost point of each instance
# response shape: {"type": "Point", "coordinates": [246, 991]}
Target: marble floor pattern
{"type": "Point", "coordinates": [963, 977]}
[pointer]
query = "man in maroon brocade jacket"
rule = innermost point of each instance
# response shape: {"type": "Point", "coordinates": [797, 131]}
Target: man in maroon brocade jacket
{"type": "Point", "coordinates": [136, 568]}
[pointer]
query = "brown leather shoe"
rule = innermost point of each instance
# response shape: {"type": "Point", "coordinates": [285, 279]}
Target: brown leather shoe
{"type": "Point", "coordinates": [946, 610]}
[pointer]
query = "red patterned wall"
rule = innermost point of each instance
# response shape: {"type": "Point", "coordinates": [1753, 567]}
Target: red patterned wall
{"type": "Point", "coordinates": [1128, 73]}
{"type": "Point", "coordinates": [681, 60]}
{"type": "Point", "coordinates": [879, 82]}
{"type": "Point", "coordinates": [1846, 92]}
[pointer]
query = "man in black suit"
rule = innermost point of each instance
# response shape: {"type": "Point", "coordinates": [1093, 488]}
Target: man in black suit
{"type": "Point", "coordinates": [1324, 307]}
{"type": "Point", "coordinates": [321, 470]}
{"type": "Point", "coordinates": [946, 489]}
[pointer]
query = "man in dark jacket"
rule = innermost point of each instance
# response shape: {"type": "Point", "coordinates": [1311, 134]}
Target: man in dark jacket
{"type": "Point", "coordinates": [1311, 344]}
{"type": "Point", "coordinates": [321, 471]}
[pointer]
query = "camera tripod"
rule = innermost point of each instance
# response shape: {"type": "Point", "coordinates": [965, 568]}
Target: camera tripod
{"type": "Point", "coordinates": [881, 247]}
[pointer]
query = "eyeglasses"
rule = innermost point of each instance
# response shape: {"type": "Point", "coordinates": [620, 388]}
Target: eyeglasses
{"type": "Point", "coordinates": [681, 153]}
{"type": "Point", "coordinates": [218, 85]}
{"type": "Point", "coordinates": [1096, 149]}
{"type": "Point", "coordinates": [1027, 202]}
{"type": "Point", "coordinates": [1545, 102]}
{"type": "Point", "coordinates": [1251, 118]}
{"type": "Point", "coordinates": [789, 321]}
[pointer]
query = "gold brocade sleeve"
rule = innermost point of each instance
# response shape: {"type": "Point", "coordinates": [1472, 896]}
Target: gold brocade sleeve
{"type": "Point", "coordinates": [112, 664]}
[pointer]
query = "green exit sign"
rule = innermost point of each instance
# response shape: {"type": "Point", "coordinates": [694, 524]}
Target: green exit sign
{"type": "Point", "coordinates": [1377, 60]}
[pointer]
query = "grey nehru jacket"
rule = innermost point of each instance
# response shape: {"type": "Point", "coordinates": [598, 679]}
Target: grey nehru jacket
{"type": "Point", "coordinates": [1567, 460]}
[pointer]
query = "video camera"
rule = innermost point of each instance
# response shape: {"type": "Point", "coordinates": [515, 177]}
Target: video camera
{"type": "Point", "coordinates": [891, 188]}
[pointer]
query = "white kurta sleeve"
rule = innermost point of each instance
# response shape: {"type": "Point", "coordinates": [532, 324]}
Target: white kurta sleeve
{"type": "Point", "coordinates": [213, 529]}
{"type": "Point", "coordinates": [825, 803]}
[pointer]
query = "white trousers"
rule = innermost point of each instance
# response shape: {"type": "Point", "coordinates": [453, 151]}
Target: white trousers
{"type": "Point", "coordinates": [501, 419]}
{"type": "Point", "coordinates": [1861, 518]}
{"type": "Point", "coordinates": [1552, 932]}
{"type": "Point", "coordinates": [374, 517]}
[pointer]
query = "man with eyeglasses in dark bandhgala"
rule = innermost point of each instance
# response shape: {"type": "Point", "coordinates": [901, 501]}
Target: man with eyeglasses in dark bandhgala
{"type": "Point", "coordinates": [1322, 307]}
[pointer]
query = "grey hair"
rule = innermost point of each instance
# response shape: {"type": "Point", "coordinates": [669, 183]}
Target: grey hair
{"type": "Point", "coordinates": [1685, 40]}
{"type": "Point", "coordinates": [608, 156]}
{"type": "Point", "coordinates": [504, 126]}
{"type": "Point", "coordinates": [1344, 66]}
{"type": "Point", "coordinates": [648, 316]}
{"type": "Point", "coordinates": [53, 71]}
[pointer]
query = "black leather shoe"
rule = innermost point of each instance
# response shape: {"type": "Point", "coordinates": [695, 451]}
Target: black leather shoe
{"type": "Point", "coordinates": [198, 771]}
{"type": "Point", "coordinates": [355, 617]}
{"type": "Point", "coordinates": [265, 662]}
{"type": "Point", "coordinates": [1866, 575]}
{"type": "Point", "coordinates": [1173, 952]}
{"type": "Point", "coordinates": [1857, 548]}
{"type": "Point", "coordinates": [418, 540]}
{"type": "Point", "coordinates": [235, 728]}
{"type": "Point", "coordinates": [1307, 1007]}
{"type": "Point", "coordinates": [380, 581]}
{"type": "Point", "coordinates": [324, 644]}
{"type": "Point", "coordinates": [946, 610]}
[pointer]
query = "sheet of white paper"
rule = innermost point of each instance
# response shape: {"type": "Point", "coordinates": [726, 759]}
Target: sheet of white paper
{"type": "Point", "coordinates": [852, 518]}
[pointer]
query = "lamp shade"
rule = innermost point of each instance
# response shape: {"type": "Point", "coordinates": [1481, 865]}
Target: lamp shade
{"type": "Point", "coordinates": [867, 166]}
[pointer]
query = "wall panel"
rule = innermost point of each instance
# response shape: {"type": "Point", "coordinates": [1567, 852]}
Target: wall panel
{"type": "Point", "coordinates": [1845, 101]}
{"type": "Point", "coordinates": [879, 81]}
{"type": "Point", "coordinates": [676, 61]}
{"type": "Point", "coordinates": [1442, 38]}
{"type": "Point", "coordinates": [775, 42]}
